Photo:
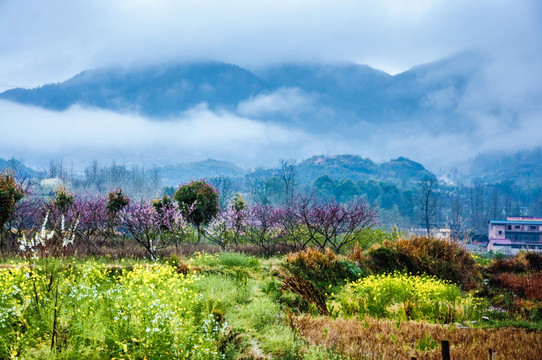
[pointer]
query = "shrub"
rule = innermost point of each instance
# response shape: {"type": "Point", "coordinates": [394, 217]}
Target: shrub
{"type": "Point", "coordinates": [533, 259]}
{"type": "Point", "coordinates": [307, 291]}
{"type": "Point", "coordinates": [424, 255]}
{"type": "Point", "coordinates": [521, 263]}
{"type": "Point", "coordinates": [524, 286]}
{"type": "Point", "coordinates": [530, 310]}
{"type": "Point", "coordinates": [322, 268]}
{"type": "Point", "coordinates": [406, 297]}
{"type": "Point", "coordinates": [383, 259]}
{"type": "Point", "coordinates": [180, 266]}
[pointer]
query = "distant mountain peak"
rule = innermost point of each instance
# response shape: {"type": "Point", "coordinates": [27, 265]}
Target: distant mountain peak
{"type": "Point", "coordinates": [343, 159]}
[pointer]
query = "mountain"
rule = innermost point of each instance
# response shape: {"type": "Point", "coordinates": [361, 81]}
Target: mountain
{"type": "Point", "coordinates": [401, 171]}
{"type": "Point", "coordinates": [354, 167]}
{"type": "Point", "coordinates": [358, 88]}
{"type": "Point", "coordinates": [155, 91]}
{"type": "Point", "coordinates": [20, 169]}
{"type": "Point", "coordinates": [523, 168]}
{"type": "Point", "coordinates": [339, 95]}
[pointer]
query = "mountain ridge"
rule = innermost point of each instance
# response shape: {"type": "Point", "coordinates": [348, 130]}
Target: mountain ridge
{"type": "Point", "coordinates": [523, 168]}
{"type": "Point", "coordinates": [351, 92]}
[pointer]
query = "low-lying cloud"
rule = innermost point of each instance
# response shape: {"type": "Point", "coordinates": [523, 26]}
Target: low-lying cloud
{"type": "Point", "coordinates": [284, 101]}
{"type": "Point", "coordinates": [79, 135]}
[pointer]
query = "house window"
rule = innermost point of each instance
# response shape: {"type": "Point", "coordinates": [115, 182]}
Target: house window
{"type": "Point", "coordinates": [523, 237]}
{"type": "Point", "coordinates": [509, 227]}
{"type": "Point", "coordinates": [500, 232]}
{"type": "Point", "coordinates": [533, 227]}
{"type": "Point", "coordinates": [517, 226]}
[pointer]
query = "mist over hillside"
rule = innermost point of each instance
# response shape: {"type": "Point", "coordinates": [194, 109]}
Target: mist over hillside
{"type": "Point", "coordinates": [441, 114]}
{"type": "Point", "coordinates": [522, 169]}
{"type": "Point", "coordinates": [308, 96]}
{"type": "Point", "coordinates": [489, 187]}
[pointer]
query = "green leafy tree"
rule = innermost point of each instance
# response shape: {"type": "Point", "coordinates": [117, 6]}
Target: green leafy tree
{"type": "Point", "coordinates": [199, 203]}
{"type": "Point", "coordinates": [10, 193]}
{"type": "Point", "coordinates": [116, 201]}
{"type": "Point", "coordinates": [238, 203]}
{"type": "Point", "coordinates": [63, 200]}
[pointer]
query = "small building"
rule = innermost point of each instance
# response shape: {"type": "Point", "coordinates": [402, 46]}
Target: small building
{"type": "Point", "coordinates": [515, 234]}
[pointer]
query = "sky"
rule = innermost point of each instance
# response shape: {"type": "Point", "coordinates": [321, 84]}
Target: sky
{"type": "Point", "coordinates": [48, 42]}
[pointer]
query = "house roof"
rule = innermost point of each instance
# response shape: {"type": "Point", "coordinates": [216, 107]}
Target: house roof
{"type": "Point", "coordinates": [538, 221]}
{"type": "Point", "coordinates": [500, 242]}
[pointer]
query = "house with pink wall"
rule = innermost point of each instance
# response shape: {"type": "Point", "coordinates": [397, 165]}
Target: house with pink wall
{"type": "Point", "coordinates": [514, 234]}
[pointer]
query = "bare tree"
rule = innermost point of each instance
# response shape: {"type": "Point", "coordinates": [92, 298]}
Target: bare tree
{"type": "Point", "coordinates": [258, 190]}
{"type": "Point", "coordinates": [288, 177]}
{"type": "Point", "coordinates": [428, 201]}
{"type": "Point", "coordinates": [57, 169]}
{"type": "Point", "coordinates": [155, 179]}
{"type": "Point", "coordinates": [495, 205]}
{"type": "Point", "coordinates": [14, 165]}
{"type": "Point", "coordinates": [326, 224]}
{"type": "Point", "coordinates": [225, 187]}
{"type": "Point", "coordinates": [117, 175]}
{"type": "Point", "coordinates": [94, 174]}
{"type": "Point", "coordinates": [478, 209]}
{"type": "Point", "coordinates": [137, 177]}
{"type": "Point", "coordinates": [456, 215]}
{"type": "Point", "coordinates": [508, 196]}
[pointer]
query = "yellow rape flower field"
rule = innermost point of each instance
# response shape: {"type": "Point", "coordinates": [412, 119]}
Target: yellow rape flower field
{"type": "Point", "coordinates": [236, 306]}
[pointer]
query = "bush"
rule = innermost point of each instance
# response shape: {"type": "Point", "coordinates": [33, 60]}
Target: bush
{"type": "Point", "coordinates": [63, 200]}
{"type": "Point", "coordinates": [307, 291]}
{"type": "Point", "coordinates": [406, 297]}
{"type": "Point", "coordinates": [521, 263]}
{"type": "Point", "coordinates": [524, 286]}
{"type": "Point", "coordinates": [423, 255]}
{"type": "Point", "coordinates": [383, 259]}
{"type": "Point", "coordinates": [323, 269]}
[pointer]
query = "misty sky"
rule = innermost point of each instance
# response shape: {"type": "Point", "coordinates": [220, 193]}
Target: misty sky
{"type": "Point", "coordinates": [46, 42]}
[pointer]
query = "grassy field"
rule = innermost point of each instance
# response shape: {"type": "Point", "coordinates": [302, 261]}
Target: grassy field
{"type": "Point", "coordinates": [308, 305]}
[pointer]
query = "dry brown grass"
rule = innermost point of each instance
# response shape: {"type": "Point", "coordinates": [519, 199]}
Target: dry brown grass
{"type": "Point", "coordinates": [307, 291]}
{"type": "Point", "coordinates": [524, 262]}
{"type": "Point", "coordinates": [384, 339]}
{"type": "Point", "coordinates": [526, 286]}
{"type": "Point", "coordinates": [313, 258]}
